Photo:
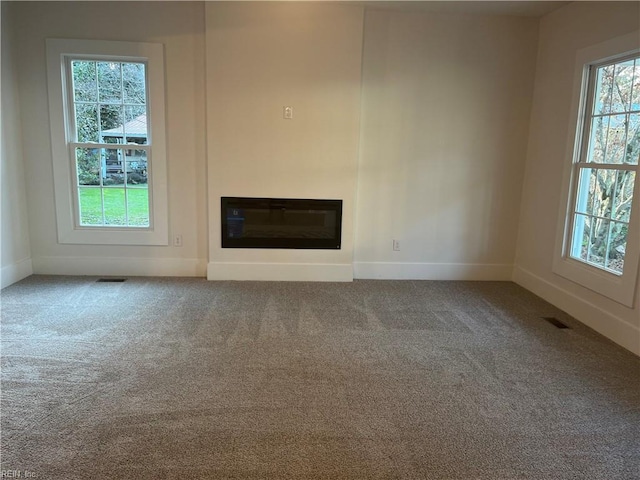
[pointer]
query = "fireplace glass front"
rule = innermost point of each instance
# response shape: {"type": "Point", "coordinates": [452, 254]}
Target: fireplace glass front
{"type": "Point", "coordinates": [281, 223]}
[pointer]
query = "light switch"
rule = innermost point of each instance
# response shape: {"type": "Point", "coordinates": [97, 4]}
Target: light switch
{"type": "Point", "coordinates": [287, 113]}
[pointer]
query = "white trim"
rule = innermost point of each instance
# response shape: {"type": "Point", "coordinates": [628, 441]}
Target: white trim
{"type": "Point", "coordinates": [284, 272]}
{"type": "Point", "coordinates": [64, 181]}
{"type": "Point", "coordinates": [125, 266]}
{"type": "Point", "coordinates": [432, 271]}
{"type": "Point", "coordinates": [603, 322]}
{"type": "Point", "coordinates": [620, 288]}
{"type": "Point", "coordinates": [15, 272]}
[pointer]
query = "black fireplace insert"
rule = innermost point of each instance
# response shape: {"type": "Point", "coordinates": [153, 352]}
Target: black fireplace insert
{"type": "Point", "coordinates": [281, 223]}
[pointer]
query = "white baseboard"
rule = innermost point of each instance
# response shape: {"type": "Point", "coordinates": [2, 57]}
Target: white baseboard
{"type": "Point", "coordinates": [132, 267]}
{"type": "Point", "coordinates": [284, 272]}
{"type": "Point", "coordinates": [603, 322]}
{"type": "Point", "coordinates": [432, 271]}
{"type": "Point", "coordinates": [15, 272]}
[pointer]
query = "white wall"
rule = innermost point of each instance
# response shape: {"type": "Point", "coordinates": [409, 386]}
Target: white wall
{"type": "Point", "coordinates": [562, 34]}
{"type": "Point", "coordinates": [180, 27]}
{"type": "Point", "coordinates": [261, 57]}
{"type": "Point", "coordinates": [14, 229]}
{"type": "Point", "coordinates": [445, 108]}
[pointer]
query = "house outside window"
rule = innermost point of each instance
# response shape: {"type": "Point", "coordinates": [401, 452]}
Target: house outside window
{"type": "Point", "coordinates": [599, 243]}
{"type": "Point", "coordinates": [108, 141]}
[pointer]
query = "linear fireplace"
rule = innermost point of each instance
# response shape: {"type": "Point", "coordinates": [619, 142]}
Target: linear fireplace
{"type": "Point", "coordinates": [281, 223]}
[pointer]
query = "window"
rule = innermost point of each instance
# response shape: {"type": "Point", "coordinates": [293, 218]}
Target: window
{"type": "Point", "coordinates": [607, 166]}
{"type": "Point", "coordinates": [107, 131]}
{"type": "Point", "coordinates": [601, 243]}
{"type": "Point", "coordinates": [109, 108]}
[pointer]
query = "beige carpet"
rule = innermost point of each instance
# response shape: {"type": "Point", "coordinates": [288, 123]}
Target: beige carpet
{"type": "Point", "coordinates": [188, 379]}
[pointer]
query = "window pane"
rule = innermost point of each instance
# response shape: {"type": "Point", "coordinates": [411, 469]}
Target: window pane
{"type": "Point", "coordinates": [111, 120]}
{"type": "Point", "coordinates": [623, 196]}
{"type": "Point", "coordinates": [136, 124]}
{"type": "Point", "coordinates": [86, 122]}
{"type": "Point", "coordinates": [622, 82]}
{"type": "Point", "coordinates": [633, 139]}
{"type": "Point", "coordinates": [136, 167]}
{"type": "Point", "coordinates": [598, 139]}
{"type": "Point", "coordinates": [114, 206]}
{"type": "Point", "coordinates": [580, 238]}
{"type": "Point", "coordinates": [617, 246]}
{"type": "Point", "coordinates": [133, 81]}
{"type": "Point", "coordinates": [84, 81]}
{"type": "Point", "coordinates": [109, 82]}
{"type": "Point", "coordinates": [598, 237]}
{"type": "Point", "coordinates": [616, 139]}
{"type": "Point", "coordinates": [603, 190]}
{"type": "Point", "coordinates": [586, 190]}
{"type": "Point", "coordinates": [138, 206]}
{"type": "Point", "coordinates": [88, 166]}
{"type": "Point", "coordinates": [604, 82]}
{"type": "Point", "coordinates": [90, 206]}
{"type": "Point", "coordinates": [113, 167]}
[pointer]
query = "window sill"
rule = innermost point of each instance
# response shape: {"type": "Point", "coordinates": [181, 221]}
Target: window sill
{"type": "Point", "coordinates": [113, 236]}
{"type": "Point", "coordinates": [619, 288]}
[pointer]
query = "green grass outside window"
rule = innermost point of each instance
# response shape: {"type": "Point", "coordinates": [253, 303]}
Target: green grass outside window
{"type": "Point", "coordinates": [114, 206]}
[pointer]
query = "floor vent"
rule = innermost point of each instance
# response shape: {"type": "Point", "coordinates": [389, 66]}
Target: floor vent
{"type": "Point", "coordinates": [555, 322]}
{"type": "Point", "coordinates": [112, 280]}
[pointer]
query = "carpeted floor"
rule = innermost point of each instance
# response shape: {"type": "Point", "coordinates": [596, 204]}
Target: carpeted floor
{"type": "Point", "coordinates": [158, 378]}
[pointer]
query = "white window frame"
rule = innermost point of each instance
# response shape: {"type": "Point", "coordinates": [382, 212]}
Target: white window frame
{"type": "Point", "coordinates": [65, 185]}
{"type": "Point", "coordinates": [620, 288]}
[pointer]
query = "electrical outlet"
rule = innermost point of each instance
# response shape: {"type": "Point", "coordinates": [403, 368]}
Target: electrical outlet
{"type": "Point", "coordinates": [287, 113]}
{"type": "Point", "coordinates": [177, 240]}
{"type": "Point", "coordinates": [396, 245]}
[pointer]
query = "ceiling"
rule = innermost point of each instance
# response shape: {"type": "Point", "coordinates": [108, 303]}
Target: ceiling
{"type": "Point", "coordinates": [524, 8]}
{"type": "Point", "coordinates": [518, 8]}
